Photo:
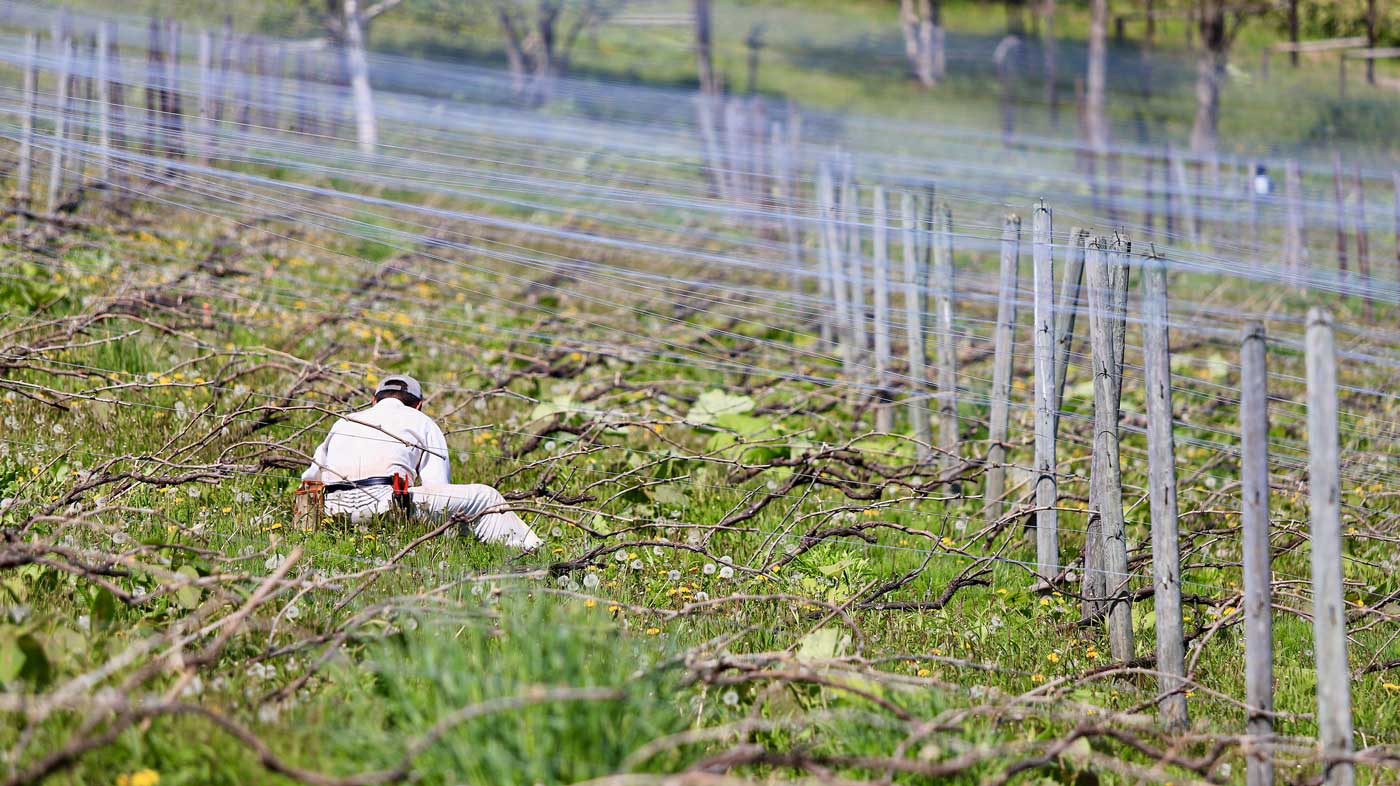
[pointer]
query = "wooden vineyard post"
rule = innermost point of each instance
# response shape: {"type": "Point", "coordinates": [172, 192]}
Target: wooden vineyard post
{"type": "Point", "coordinates": [243, 88]}
{"type": "Point", "coordinates": [170, 104]}
{"type": "Point", "coordinates": [1363, 248]}
{"type": "Point", "coordinates": [1294, 243]}
{"type": "Point", "coordinates": [941, 283]}
{"type": "Point", "coordinates": [25, 171]}
{"type": "Point", "coordinates": [1047, 538]}
{"type": "Point", "coordinates": [222, 85]}
{"type": "Point", "coordinates": [1341, 217]}
{"type": "Point", "coordinates": [1107, 271]}
{"type": "Point", "coordinates": [120, 118]}
{"type": "Point", "coordinates": [825, 275]}
{"type": "Point", "coordinates": [1258, 575]}
{"type": "Point", "coordinates": [151, 142]}
{"type": "Point", "coordinates": [999, 417]}
{"type": "Point", "coordinates": [733, 150]}
{"type": "Point", "coordinates": [884, 415]}
{"type": "Point", "coordinates": [855, 265]}
{"type": "Point", "coordinates": [1329, 609]}
{"type": "Point", "coordinates": [914, 274]}
{"type": "Point", "coordinates": [784, 186]}
{"type": "Point", "coordinates": [104, 105]}
{"type": "Point", "coordinates": [1071, 282]}
{"type": "Point", "coordinates": [1161, 470]}
{"type": "Point", "coordinates": [65, 58]}
{"type": "Point", "coordinates": [837, 275]}
{"type": "Point", "coordinates": [1395, 184]}
{"type": "Point", "coordinates": [201, 139]}
{"type": "Point", "coordinates": [1094, 586]}
{"type": "Point", "coordinates": [1169, 199]}
{"type": "Point", "coordinates": [1183, 191]}
{"type": "Point", "coordinates": [303, 121]}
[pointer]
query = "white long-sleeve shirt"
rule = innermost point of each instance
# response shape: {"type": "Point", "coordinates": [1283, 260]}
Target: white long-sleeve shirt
{"type": "Point", "coordinates": [386, 439]}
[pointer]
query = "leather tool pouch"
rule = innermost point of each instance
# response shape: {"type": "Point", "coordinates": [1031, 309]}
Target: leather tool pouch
{"type": "Point", "coordinates": [309, 505]}
{"type": "Point", "coordinates": [403, 501]}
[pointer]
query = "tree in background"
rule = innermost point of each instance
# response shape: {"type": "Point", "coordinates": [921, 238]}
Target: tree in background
{"type": "Point", "coordinates": [1095, 80]}
{"type": "Point", "coordinates": [922, 23]}
{"type": "Point", "coordinates": [540, 38]}
{"type": "Point", "coordinates": [346, 26]}
{"type": "Point", "coordinates": [704, 48]}
{"type": "Point", "coordinates": [1218, 22]}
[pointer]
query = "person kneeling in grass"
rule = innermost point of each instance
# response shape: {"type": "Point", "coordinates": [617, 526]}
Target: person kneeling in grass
{"type": "Point", "coordinates": [392, 454]}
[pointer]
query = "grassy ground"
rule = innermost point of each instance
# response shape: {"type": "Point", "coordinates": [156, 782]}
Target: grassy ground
{"type": "Point", "coordinates": [680, 623]}
{"type": "Point", "coordinates": [660, 629]}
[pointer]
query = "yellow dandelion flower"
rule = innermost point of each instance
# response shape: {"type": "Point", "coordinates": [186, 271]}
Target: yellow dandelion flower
{"type": "Point", "coordinates": [590, 603]}
{"type": "Point", "coordinates": [653, 631]}
{"type": "Point", "coordinates": [146, 777]}
{"type": "Point", "coordinates": [1045, 601]}
{"type": "Point", "coordinates": [922, 673]}
{"type": "Point", "coordinates": [1037, 678]}
{"type": "Point", "coordinates": [1053, 657]}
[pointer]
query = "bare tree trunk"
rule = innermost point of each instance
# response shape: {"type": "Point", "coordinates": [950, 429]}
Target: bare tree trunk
{"type": "Point", "coordinates": [933, 12]}
{"type": "Point", "coordinates": [515, 52]}
{"type": "Point", "coordinates": [1370, 40]}
{"type": "Point", "coordinates": [1293, 32]}
{"type": "Point", "coordinates": [357, 64]}
{"type": "Point", "coordinates": [704, 52]}
{"type": "Point", "coordinates": [1096, 121]}
{"type": "Point", "coordinates": [754, 44]}
{"type": "Point", "coordinates": [923, 39]}
{"type": "Point", "coordinates": [909, 26]}
{"type": "Point", "coordinates": [1210, 72]}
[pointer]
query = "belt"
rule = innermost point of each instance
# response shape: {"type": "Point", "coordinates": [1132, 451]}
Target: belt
{"type": "Point", "coordinates": [401, 497]}
{"type": "Point", "coordinates": [387, 480]}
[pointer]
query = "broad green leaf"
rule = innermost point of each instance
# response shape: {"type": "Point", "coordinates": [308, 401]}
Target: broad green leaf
{"type": "Point", "coordinates": [103, 611]}
{"type": "Point", "coordinates": [554, 406]}
{"type": "Point", "coordinates": [187, 596]}
{"type": "Point", "coordinates": [11, 657]}
{"type": "Point", "coordinates": [36, 669]}
{"type": "Point", "coordinates": [668, 494]}
{"type": "Point", "coordinates": [714, 403]}
{"type": "Point", "coordinates": [747, 425]}
{"type": "Point", "coordinates": [822, 644]}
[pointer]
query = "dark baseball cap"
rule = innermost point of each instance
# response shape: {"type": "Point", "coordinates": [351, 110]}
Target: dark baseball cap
{"type": "Point", "coordinates": [400, 382]}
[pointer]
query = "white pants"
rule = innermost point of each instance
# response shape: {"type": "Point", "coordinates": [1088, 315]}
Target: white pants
{"type": "Point", "coordinates": [473, 501]}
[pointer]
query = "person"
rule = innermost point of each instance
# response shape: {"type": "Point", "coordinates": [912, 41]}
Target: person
{"type": "Point", "coordinates": [1263, 185]}
{"type": "Point", "coordinates": [392, 453]}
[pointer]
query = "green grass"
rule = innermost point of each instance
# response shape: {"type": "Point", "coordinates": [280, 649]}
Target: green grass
{"type": "Point", "coordinates": [406, 667]}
